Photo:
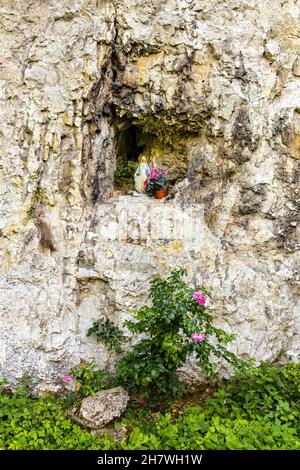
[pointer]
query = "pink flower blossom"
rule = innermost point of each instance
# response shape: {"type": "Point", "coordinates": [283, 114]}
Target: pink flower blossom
{"type": "Point", "coordinates": [200, 298]}
{"type": "Point", "coordinates": [155, 176]}
{"type": "Point", "coordinates": [145, 183]}
{"type": "Point", "coordinates": [68, 378]}
{"type": "Point", "coordinates": [198, 337]}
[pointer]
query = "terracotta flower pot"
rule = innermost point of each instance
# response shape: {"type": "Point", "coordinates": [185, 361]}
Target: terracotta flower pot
{"type": "Point", "coordinates": [160, 193]}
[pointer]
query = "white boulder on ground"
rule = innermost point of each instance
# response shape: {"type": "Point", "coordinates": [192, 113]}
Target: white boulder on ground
{"type": "Point", "coordinates": [104, 407]}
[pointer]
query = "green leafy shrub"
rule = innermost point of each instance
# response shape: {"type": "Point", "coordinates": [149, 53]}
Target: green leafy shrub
{"type": "Point", "coordinates": [176, 326]}
{"type": "Point", "coordinates": [108, 333]}
{"type": "Point", "coordinates": [269, 391]}
{"type": "Point", "coordinates": [89, 379]}
{"type": "Point", "coordinates": [124, 174]}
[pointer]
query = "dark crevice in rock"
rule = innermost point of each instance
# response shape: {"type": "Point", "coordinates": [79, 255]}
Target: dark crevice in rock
{"type": "Point", "coordinates": [244, 142]}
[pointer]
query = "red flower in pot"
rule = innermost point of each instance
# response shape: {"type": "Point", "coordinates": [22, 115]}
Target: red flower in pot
{"type": "Point", "coordinates": [157, 182]}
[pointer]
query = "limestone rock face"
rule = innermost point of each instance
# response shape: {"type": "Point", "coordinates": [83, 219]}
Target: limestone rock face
{"type": "Point", "coordinates": [106, 406]}
{"type": "Point", "coordinates": [212, 88]}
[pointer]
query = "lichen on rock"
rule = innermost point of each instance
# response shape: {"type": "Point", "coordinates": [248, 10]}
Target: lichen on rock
{"type": "Point", "coordinates": [105, 407]}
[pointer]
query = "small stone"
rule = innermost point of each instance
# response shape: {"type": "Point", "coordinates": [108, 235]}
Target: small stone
{"type": "Point", "coordinates": [87, 273]}
{"type": "Point", "coordinates": [271, 50]}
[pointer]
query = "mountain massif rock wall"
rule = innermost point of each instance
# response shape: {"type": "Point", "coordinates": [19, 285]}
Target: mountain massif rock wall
{"type": "Point", "coordinates": [213, 88]}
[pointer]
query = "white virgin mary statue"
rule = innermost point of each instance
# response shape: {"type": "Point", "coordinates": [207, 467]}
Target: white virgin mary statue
{"type": "Point", "coordinates": [140, 175]}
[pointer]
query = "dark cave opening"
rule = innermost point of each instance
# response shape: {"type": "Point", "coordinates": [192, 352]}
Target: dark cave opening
{"type": "Point", "coordinates": [130, 143]}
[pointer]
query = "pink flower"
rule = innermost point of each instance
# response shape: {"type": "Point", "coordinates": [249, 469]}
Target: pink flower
{"type": "Point", "coordinates": [68, 378]}
{"type": "Point", "coordinates": [198, 337]}
{"type": "Point", "coordinates": [145, 183]}
{"type": "Point", "coordinates": [200, 298]}
{"type": "Point", "coordinates": [155, 176]}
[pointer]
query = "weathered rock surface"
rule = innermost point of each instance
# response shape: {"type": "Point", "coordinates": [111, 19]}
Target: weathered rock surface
{"type": "Point", "coordinates": [211, 87]}
{"type": "Point", "coordinates": [106, 406]}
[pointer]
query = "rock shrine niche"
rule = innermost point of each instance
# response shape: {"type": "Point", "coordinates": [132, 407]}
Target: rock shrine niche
{"type": "Point", "coordinates": [131, 144]}
{"type": "Point", "coordinates": [133, 141]}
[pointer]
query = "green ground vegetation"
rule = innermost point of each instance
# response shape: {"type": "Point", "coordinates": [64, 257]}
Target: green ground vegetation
{"type": "Point", "coordinates": [257, 408]}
